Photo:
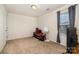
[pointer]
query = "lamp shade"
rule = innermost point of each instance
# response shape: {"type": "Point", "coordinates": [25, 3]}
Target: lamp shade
{"type": "Point", "coordinates": [46, 29]}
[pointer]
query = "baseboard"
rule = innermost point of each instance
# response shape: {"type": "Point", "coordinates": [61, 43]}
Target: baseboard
{"type": "Point", "coordinates": [58, 43]}
{"type": "Point", "coordinates": [3, 47]}
{"type": "Point", "coordinates": [20, 38]}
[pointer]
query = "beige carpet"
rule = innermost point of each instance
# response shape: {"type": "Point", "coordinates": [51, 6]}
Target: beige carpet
{"type": "Point", "coordinates": [32, 46]}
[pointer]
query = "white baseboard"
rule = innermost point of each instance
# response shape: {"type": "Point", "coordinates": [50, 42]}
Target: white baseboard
{"type": "Point", "coordinates": [19, 37]}
{"type": "Point", "coordinates": [2, 47]}
{"type": "Point", "coordinates": [58, 43]}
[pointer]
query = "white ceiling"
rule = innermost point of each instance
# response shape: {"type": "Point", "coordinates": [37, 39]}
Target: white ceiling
{"type": "Point", "coordinates": [25, 9]}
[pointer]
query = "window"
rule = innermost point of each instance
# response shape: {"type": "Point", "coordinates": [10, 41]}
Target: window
{"type": "Point", "coordinates": [64, 18]}
{"type": "Point", "coordinates": [64, 22]}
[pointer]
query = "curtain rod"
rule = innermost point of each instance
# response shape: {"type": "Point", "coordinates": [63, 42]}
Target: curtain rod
{"type": "Point", "coordinates": [68, 7]}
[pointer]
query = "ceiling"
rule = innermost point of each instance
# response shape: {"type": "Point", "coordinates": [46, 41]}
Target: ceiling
{"type": "Point", "coordinates": [25, 9]}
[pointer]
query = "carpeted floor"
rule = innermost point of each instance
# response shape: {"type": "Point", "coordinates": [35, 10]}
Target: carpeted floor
{"type": "Point", "coordinates": [32, 46]}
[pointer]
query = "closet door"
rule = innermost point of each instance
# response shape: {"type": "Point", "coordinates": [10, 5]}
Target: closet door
{"type": "Point", "coordinates": [2, 27]}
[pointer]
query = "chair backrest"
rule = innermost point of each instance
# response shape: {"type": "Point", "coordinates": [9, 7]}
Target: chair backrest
{"type": "Point", "coordinates": [38, 30]}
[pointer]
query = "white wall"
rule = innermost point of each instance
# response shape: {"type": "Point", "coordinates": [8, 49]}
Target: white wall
{"type": "Point", "coordinates": [77, 20]}
{"type": "Point", "coordinates": [3, 15]}
{"type": "Point", "coordinates": [20, 26]}
{"type": "Point", "coordinates": [50, 20]}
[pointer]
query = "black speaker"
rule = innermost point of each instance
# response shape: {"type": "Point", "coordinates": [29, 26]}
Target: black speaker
{"type": "Point", "coordinates": [71, 38]}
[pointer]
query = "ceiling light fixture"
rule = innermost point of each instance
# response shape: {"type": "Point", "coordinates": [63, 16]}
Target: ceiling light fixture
{"type": "Point", "coordinates": [34, 7]}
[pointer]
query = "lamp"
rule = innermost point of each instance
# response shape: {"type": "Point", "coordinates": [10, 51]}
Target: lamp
{"type": "Point", "coordinates": [46, 30]}
{"type": "Point", "coordinates": [46, 33]}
